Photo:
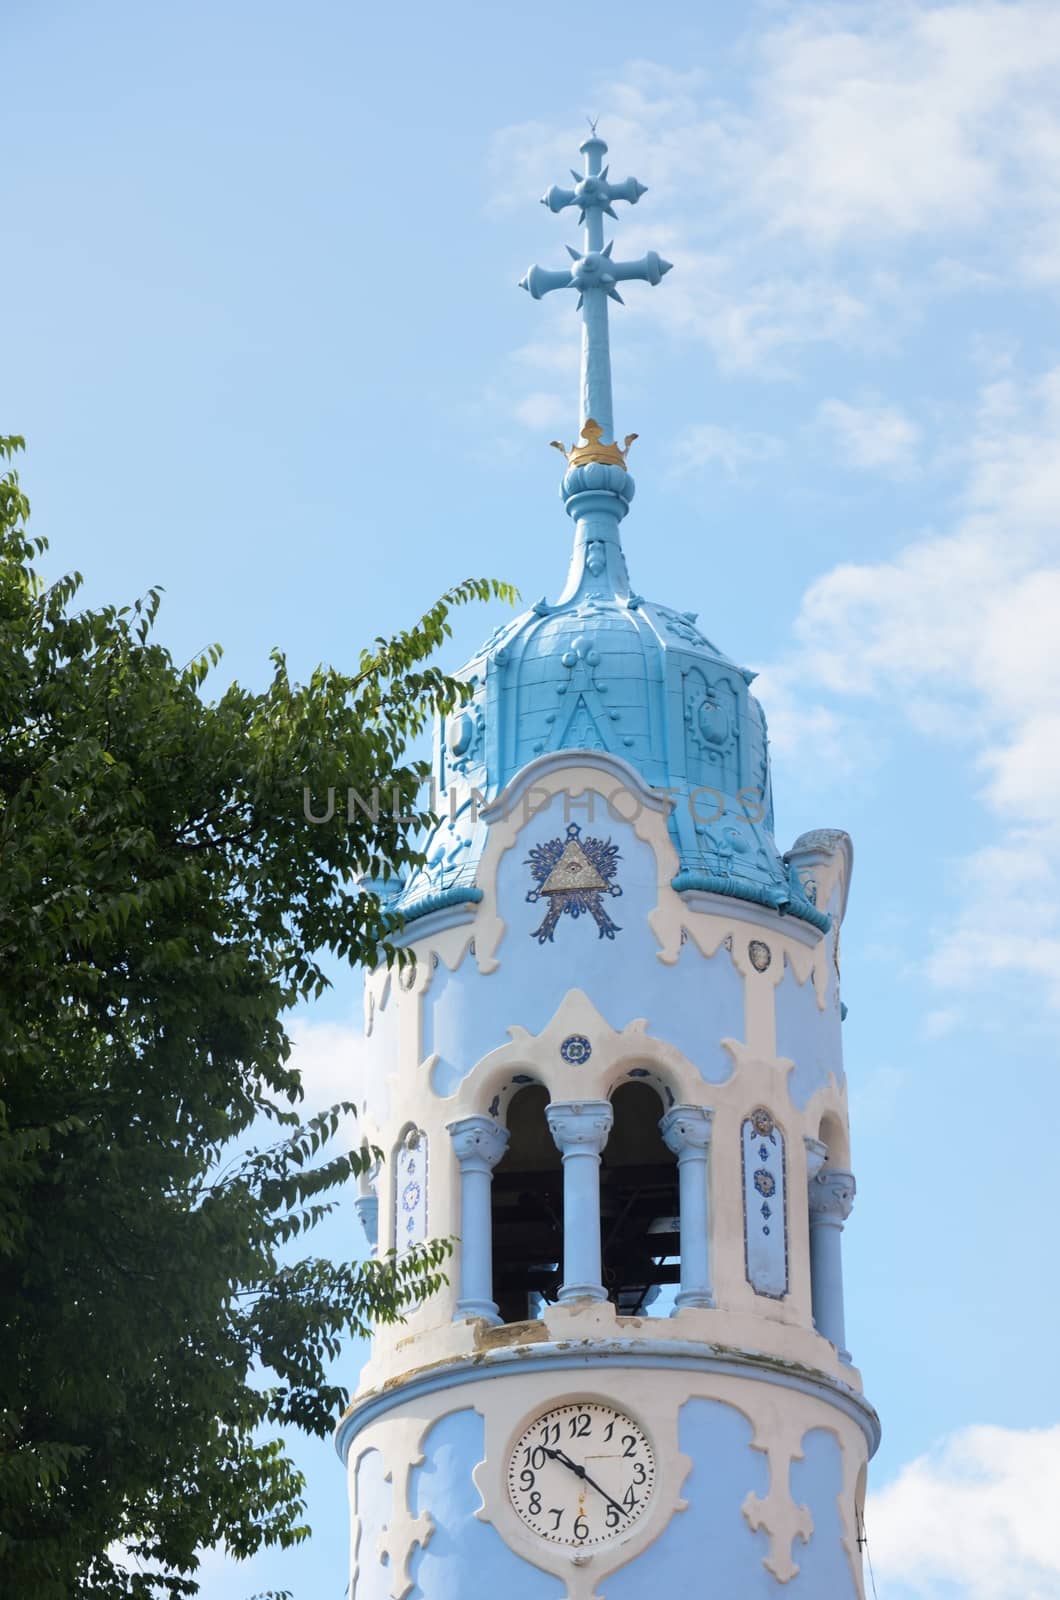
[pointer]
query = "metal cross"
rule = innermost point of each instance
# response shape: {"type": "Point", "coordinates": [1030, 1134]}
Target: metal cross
{"type": "Point", "coordinates": [594, 274]}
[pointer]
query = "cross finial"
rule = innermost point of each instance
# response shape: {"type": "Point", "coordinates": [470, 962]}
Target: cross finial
{"type": "Point", "coordinates": [595, 275]}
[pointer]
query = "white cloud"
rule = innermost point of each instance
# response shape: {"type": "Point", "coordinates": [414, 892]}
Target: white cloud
{"type": "Point", "coordinates": [709, 444]}
{"type": "Point", "coordinates": [326, 1054]}
{"type": "Point", "coordinates": [750, 322]}
{"type": "Point", "coordinates": [978, 1513]}
{"type": "Point", "coordinates": [958, 633]}
{"type": "Point", "coordinates": [941, 1022]}
{"type": "Point", "coordinates": [1006, 921]}
{"type": "Point", "coordinates": [542, 410]}
{"type": "Point", "coordinates": [798, 722]}
{"type": "Point", "coordinates": [903, 119]}
{"type": "Point", "coordinates": [871, 435]}
{"type": "Point", "coordinates": [921, 139]}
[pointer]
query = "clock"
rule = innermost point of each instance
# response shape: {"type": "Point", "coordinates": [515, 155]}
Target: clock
{"type": "Point", "coordinates": [581, 1474]}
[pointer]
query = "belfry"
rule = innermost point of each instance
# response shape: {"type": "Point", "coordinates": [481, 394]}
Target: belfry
{"type": "Point", "coordinates": [614, 1073]}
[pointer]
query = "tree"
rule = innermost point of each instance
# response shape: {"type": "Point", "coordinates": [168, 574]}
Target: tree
{"type": "Point", "coordinates": [162, 897]}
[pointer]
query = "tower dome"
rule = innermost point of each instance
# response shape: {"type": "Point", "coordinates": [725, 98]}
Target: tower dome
{"type": "Point", "coordinates": [604, 669]}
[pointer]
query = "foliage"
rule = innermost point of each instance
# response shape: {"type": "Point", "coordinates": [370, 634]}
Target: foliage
{"type": "Point", "coordinates": [161, 899]}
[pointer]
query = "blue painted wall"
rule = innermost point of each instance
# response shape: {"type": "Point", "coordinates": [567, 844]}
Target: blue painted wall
{"type": "Point", "coordinates": [808, 1036]}
{"type": "Point", "coordinates": [710, 1538]}
{"type": "Point", "coordinates": [375, 1497]}
{"type": "Point", "coordinates": [816, 1481]}
{"type": "Point", "coordinates": [464, 1559]}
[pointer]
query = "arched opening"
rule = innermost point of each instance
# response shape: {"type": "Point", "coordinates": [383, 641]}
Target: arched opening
{"type": "Point", "coordinates": [527, 1205]}
{"type": "Point", "coordinates": [639, 1207]}
{"type": "Point", "coordinates": [833, 1136]}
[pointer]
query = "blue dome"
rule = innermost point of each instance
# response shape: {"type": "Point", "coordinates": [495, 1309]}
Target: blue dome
{"type": "Point", "coordinates": [605, 670]}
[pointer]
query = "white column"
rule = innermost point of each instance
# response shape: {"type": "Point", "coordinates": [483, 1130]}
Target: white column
{"type": "Point", "coordinates": [580, 1129]}
{"type": "Point", "coordinates": [686, 1131]}
{"type": "Point", "coordinates": [479, 1143]}
{"type": "Point", "coordinates": [831, 1200]}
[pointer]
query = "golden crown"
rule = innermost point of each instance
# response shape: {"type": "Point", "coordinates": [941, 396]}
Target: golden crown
{"type": "Point", "coordinates": [580, 455]}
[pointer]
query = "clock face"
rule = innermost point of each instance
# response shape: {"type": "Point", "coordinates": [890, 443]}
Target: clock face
{"type": "Point", "coordinates": [581, 1474]}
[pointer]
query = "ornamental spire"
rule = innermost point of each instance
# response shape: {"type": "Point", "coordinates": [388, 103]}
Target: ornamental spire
{"type": "Point", "coordinates": [595, 274]}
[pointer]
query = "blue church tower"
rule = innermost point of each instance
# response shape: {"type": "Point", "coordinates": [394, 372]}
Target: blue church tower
{"type": "Point", "coordinates": [614, 1072]}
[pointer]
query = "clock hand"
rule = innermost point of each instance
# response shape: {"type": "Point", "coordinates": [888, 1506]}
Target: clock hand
{"type": "Point", "coordinates": [579, 1471]}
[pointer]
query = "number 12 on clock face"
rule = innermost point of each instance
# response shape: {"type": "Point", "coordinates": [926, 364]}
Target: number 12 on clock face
{"type": "Point", "coordinates": [581, 1474]}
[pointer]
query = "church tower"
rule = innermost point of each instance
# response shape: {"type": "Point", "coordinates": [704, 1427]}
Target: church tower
{"type": "Point", "coordinates": [614, 1073]}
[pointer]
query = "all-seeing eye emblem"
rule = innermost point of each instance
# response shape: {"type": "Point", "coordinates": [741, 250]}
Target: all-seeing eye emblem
{"type": "Point", "coordinates": [574, 875]}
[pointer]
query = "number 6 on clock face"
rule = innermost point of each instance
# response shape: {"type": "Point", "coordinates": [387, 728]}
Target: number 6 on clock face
{"type": "Point", "coordinates": [581, 1474]}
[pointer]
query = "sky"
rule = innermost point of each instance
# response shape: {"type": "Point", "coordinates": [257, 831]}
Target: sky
{"type": "Point", "coordinates": [263, 335]}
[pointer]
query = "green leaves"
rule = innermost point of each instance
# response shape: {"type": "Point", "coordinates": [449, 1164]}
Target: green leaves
{"type": "Point", "coordinates": [163, 900]}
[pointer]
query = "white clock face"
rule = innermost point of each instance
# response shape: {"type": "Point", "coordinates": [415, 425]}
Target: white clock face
{"type": "Point", "coordinates": [581, 1474]}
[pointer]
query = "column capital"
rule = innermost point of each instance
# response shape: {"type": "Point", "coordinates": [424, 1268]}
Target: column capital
{"type": "Point", "coordinates": [686, 1129]}
{"type": "Point", "coordinates": [367, 1209]}
{"type": "Point", "coordinates": [580, 1126]}
{"type": "Point", "coordinates": [478, 1141]}
{"type": "Point", "coordinates": [832, 1196]}
{"type": "Point", "coordinates": [816, 1156]}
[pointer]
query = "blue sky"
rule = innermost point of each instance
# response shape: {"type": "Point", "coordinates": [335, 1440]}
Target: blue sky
{"type": "Point", "coordinates": [263, 334]}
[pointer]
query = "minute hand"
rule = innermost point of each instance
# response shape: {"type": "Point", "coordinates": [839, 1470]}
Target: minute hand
{"type": "Point", "coordinates": [580, 1472]}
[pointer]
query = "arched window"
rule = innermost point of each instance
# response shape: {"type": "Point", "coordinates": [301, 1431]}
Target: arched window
{"type": "Point", "coordinates": [527, 1207]}
{"type": "Point", "coordinates": [639, 1206]}
{"type": "Point", "coordinates": [833, 1136]}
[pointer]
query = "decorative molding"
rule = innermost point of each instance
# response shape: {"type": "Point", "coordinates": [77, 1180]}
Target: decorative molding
{"type": "Point", "coordinates": [777, 1512]}
{"type": "Point", "coordinates": [457, 894]}
{"type": "Point", "coordinates": [478, 1142]}
{"type": "Point", "coordinates": [832, 1196]}
{"type": "Point", "coordinates": [765, 1221]}
{"type": "Point", "coordinates": [759, 954]}
{"type": "Point", "coordinates": [771, 895]}
{"type": "Point", "coordinates": [400, 1536]}
{"type": "Point", "coordinates": [603, 1355]}
{"type": "Point", "coordinates": [686, 1129]}
{"type": "Point", "coordinates": [578, 1125]}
